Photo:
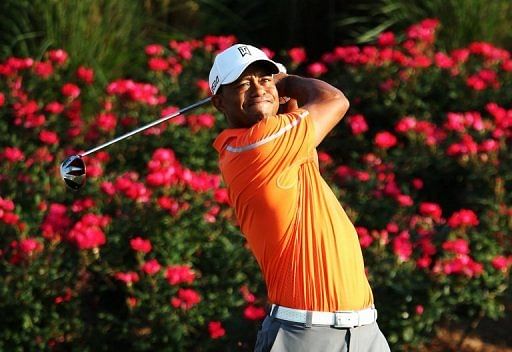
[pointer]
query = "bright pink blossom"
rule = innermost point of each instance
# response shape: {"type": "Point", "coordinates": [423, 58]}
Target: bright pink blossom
{"type": "Point", "coordinates": [139, 244]}
{"type": "Point", "coordinates": [216, 330]}
{"type": "Point", "coordinates": [178, 274]}
{"type": "Point", "coordinates": [70, 90]}
{"type": "Point", "coordinates": [187, 299]}
{"type": "Point", "coordinates": [58, 56]}
{"type": "Point", "coordinates": [158, 64]}
{"type": "Point", "coordinates": [463, 218]}
{"type": "Point", "coordinates": [43, 69]}
{"type": "Point", "coordinates": [154, 49]}
{"type": "Point", "coordinates": [29, 246]}
{"type": "Point", "coordinates": [247, 294]}
{"type": "Point", "coordinates": [364, 237]}
{"type": "Point", "coordinates": [106, 122]}
{"type": "Point", "coordinates": [85, 74]}
{"type": "Point", "coordinates": [128, 278]}
{"type": "Point", "coordinates": [501, 262]}
{"type": "Point", "coordinates": [357, 124]}
{"type": "Point", "coordinates": [402, 246]}
{"type": "Point", "coordinates": [458, 246]}
{"type": "Point", "coordinates": [151, 267]}
{"type": "Point", "coordinates": [252, 312]}
{"type": "Point", "coordinates": [385, 140]}
{"type": "Point", "coordinates": [386, 39]}
{"type": "Point", "coordinates": [48, 137]}
{"type": "Point", "coordinates": [12, 154]}
{"type": "Point", "coordinates": [432, 210]}
{"type": "Point", "coordinates": [316, 69]}
{"type": "Point", "coordinates": [297, 55]}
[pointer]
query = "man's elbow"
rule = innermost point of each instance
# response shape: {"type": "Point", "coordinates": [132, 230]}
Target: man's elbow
{"type": "Point", "coordinates": [343, 104]}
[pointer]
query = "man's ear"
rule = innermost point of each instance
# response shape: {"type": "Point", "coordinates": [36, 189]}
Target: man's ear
{"type": "Point", "coordinates": [218, 102]}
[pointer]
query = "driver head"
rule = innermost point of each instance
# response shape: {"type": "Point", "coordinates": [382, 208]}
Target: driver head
{"type": "Point", "coordinates": [72, 171]}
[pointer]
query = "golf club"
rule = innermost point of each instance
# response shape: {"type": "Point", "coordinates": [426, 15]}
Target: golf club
{"type": "Point", "coordinates": [72, 169]}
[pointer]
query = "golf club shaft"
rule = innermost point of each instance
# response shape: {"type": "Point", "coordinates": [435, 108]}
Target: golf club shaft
{"type": "Point", "coordinates": [143, 128]}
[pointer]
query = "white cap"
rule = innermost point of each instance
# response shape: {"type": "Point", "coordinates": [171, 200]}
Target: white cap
{"type": "Point", "coordinates": [230, 64]}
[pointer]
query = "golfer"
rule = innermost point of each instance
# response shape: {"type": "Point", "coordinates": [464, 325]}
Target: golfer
{"type": "Point", "coordinates": [305, 245]}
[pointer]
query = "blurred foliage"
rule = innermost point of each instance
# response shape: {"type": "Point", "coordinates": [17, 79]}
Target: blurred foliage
{"type": "Point", "coordinates": [464, 21]}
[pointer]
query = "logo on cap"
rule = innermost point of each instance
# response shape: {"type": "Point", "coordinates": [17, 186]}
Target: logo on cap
{"type": "Point", "coordinates": [244, 51]}
{"type": "Point", "coordinates": [215, 82]}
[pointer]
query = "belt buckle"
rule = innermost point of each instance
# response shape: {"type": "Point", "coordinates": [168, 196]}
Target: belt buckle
{"type": "Point", "coordinates": [346, 319]}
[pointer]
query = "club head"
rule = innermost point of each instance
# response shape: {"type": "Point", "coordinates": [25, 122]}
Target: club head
{"type": "Point", "coordinates": [72, 171]}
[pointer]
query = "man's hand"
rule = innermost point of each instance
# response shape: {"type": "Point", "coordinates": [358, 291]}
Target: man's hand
{"type": "Point", "coordinates": [326, 103]}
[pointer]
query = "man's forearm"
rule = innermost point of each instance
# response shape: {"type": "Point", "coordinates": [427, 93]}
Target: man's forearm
{"type": "Point", "coordinates": [307, 90]}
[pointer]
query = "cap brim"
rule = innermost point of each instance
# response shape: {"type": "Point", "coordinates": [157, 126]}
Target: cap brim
{"type": "Point", "coordinates": [235, 74]}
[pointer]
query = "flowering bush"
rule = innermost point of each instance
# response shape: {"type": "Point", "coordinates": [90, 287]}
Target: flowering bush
{"type": "Point", "coordinates": [148, 256]}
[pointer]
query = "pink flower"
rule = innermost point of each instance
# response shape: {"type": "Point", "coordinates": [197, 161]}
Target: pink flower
{"type": "Point", "coordinates": [54, 107]}
{"type": "Point", "coordinates": [12, 154]}
{"type": "Point", "coordinates": [458, 246]}
{"type": "Point", "coordinates": [404, 200]}
{"type": "Point", "coordinates": [58, 56]}
{"type": "Point", "coordinates": [423, 31]}
{"type": "Point", "coordinates": [187, 298]}
{"type": "Point", "coordinates": [82, 204]}
{"type": "Point", "coordinates": [247, 294]}
{"type": "Point", "coordinates": [317, 69]}
{"type": "Point", "coordinates": [432, 210]}
{"type": "Point", "coordinates": [460, 55]}
{"type": "Point", "coordinates": [364, 237]}
{"type": "Point", "coordinates": [507, 66]}
{"type": "Point", "coordinates": [106, 122]}
{"type": "Point", "coordinates": [297, 55]}
{"type": "Point", "coordinates": [29, 246]}
{"type": "Point", "coordinates": [463, 218]}
{"type": "Point", "coordinates": [221, 196]}
{"type": "Point", "coordinates": [386, 39]}
{"type": "Point", "coordinates": [48, 137]}
{"type": "Point", "coordinates": [151, 267]}
{"type": "Point", "coordinates": [178, 274]}
{"type": "Point", "coordinates": [139, 244]}
{"type": "Point", "coordinates": [417, 183]}
{"type": "Point", "coordinates": [402, 246]}
{"type": "Point", "coordinates": [154, 49]}
{"type": "Point", "coordinates": [216, 330]}
{"type": "Point", "coordinates": [56, 223]}
{"type": "Point", "coordinates": [476, 83]}
{"type": "Point", "coordinates": [85, 74]}
{"type": "Point", "coordinates": [443, 61]}
{"type": "Point", "coordinates": [88, 233]}
{"type": "Point", "coordinates": [108, 188]}
{"type": "Point", "coordinates": [419, 309]}
{"type": "Point", "coordinates": [252, 312]}
{"type": "Point", "coordinates": [385, 140]}
{"type": "Point", "coordinates": [70, 90]}
{"type": "Point", "coordinates": [488, 146]}
{"type": "Point", "coordinates": [43, 69]}
{"type": "Point", "coordinates": [128, 278]}
{"type": "Point", "coordinates": [357, 124]}
{"type": "Point", "coordinates": [158, 64]}
{"type": "Point", "coordinates": [500, 263]}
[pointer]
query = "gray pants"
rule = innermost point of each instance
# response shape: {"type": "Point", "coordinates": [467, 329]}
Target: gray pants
{"type": "Point", "coordinates": [283, 336]}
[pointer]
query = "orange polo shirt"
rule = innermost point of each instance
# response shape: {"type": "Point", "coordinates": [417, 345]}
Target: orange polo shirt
{"type": "Point", "coordinates": [305, 244]}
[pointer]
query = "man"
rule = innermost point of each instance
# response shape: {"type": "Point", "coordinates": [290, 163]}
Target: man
{"type": "Point", "coordinates": [306, 246]}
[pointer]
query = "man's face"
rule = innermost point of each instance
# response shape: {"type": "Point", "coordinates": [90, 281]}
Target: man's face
{"type": "Point", "coordinates": [251, 98]}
